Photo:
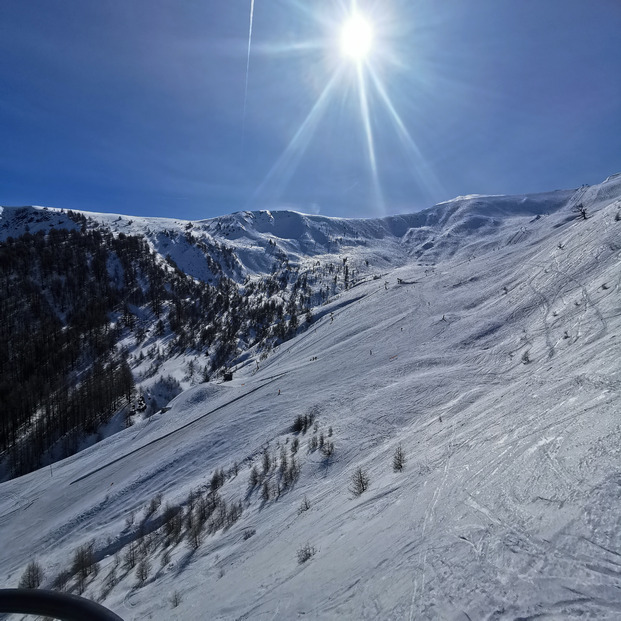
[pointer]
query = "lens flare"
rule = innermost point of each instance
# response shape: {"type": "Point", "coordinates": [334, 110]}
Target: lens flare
{"type": "Point", "coordinates": [356, 38]}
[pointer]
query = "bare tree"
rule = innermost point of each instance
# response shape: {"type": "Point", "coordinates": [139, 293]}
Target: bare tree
{"type": "Point", "coordinates": [32, 576]}
{"type": "Point", "coordinates": [61, 581]}
{"type": "Point", "coordinates": [173, 524]}
{"type": "Point", "coordinates": [142, 570]}
{"type": "Point", "coordinates": [581, 210]}
{"type": "Point", "coordinates": [154, 505]}
{"type": "Point", "coordinates": [131, 555]}
{"type": "Point", "coordinates": [195, 535]}
{"type": "Point", "coordinates": [84, 564]}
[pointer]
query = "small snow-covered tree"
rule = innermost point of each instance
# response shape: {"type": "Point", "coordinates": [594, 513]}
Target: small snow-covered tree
{"type": "Point", "coordinates": [294, 446]}
{"type": "Point", "coordinates": [267, 462]}
{"type": "Point", "coordinates": [359, 482]}
{"type": "Point", "coordinates": [217, 480]}
{"type": "Point", "coordinates": [305, 506]}
{"type": "Point", "coordinates": [398, 459]}
{"type": "Point", "coordinates": [284, 463]}
{"type": "Point", "coordinates": [255, 477]}
{"type": "Point", "coordinates": [305, 553]}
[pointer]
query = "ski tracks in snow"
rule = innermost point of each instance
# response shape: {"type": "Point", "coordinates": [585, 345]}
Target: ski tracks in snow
{"type": "Point", "coordinates": [419, 582]}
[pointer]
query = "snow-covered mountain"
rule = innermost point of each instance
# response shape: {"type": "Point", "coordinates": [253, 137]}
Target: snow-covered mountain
{"type": "Point", "coordinates": [480, 336]}
{"type": "Point", "coordinates": [255, 237]}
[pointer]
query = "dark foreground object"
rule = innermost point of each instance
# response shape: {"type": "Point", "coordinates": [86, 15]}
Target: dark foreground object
{"type": "Point", "coordinates": [53, 604]}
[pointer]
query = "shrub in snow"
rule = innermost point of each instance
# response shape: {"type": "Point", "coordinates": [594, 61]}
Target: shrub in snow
{"type": "Point", "coordinates": [305, 553]}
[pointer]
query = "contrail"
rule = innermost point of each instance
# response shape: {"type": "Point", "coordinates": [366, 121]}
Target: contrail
{"type": "Point", "coordinates": [247, 72]}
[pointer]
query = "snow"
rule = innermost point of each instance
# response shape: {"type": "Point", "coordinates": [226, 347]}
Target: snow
{"type": "Point", "coordinates": [494, 364]}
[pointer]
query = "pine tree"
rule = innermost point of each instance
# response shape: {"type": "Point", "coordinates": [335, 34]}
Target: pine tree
{"type": "Point", "coordinates": [398, 459]}
{"type": "Point", "coordinates": [359, 482]}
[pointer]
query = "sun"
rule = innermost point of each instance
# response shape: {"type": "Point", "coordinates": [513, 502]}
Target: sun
{"type": "Point", "coordinates": [356, 38]}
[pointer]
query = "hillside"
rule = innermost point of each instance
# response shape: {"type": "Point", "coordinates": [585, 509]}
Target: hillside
{"type": "Point", "coordinates": [480, 336]}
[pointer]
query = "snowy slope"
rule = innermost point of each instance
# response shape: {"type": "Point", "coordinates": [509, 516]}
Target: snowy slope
{"type": "Point", "coordinates": [489, 352]}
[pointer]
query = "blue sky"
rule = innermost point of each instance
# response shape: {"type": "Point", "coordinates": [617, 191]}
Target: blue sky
{"type": "Point", "coordinates": [137, 106]}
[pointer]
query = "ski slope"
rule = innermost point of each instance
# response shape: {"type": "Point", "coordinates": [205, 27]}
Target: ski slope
{"type": "Point", "coordinates": [491, 356]}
